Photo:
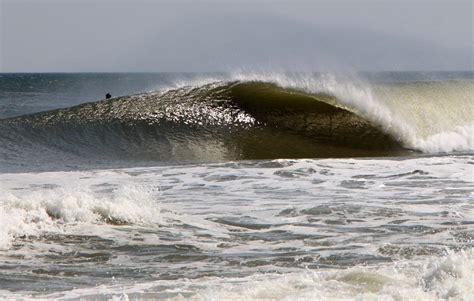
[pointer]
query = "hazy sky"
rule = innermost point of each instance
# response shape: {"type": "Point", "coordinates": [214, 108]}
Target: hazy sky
{"type": "Point", "coordinates": [194, 35]}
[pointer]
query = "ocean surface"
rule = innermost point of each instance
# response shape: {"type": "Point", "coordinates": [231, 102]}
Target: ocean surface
{"type": "Point", "coordinates": [237, 186]}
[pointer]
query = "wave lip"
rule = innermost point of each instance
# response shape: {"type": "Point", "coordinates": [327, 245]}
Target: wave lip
{"type": "Point", "coordinates": [415, 113]}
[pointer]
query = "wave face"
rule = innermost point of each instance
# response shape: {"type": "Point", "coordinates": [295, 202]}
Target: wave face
{"type": "Point", "coordinates": [248, 116]}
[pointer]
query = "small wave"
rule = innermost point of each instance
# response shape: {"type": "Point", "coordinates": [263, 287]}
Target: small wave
{"type": "Point", "coordinates": [446, 277]}
{"type": "Point", "coordinates": [437, 278]}
{"type": "Point", "coordinates": [55, 210]}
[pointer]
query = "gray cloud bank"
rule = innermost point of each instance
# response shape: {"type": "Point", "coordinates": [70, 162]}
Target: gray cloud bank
{"type": "Point", "coordinates": [82, 36]}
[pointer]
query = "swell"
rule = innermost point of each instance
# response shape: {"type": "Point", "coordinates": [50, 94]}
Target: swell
{"type": "Point", "coordinates": [221, 120]}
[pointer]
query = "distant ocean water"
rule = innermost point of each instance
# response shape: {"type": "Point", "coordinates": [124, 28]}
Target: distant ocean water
{"type": "Point", "coordinates": [249, 185]}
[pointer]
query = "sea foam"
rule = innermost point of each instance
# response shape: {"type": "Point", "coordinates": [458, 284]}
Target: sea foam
{"type": "Point", "coordinates": [53, 210]}
{"type": "Point", "coordinates": [447, 277]}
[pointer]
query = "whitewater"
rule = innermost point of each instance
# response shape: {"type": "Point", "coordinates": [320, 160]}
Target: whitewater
{"type": "Point", "coordinates": [241, 186]}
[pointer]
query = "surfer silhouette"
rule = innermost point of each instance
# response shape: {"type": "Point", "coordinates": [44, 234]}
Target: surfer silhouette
{"type": "Point", "coordinates": [108, 96]}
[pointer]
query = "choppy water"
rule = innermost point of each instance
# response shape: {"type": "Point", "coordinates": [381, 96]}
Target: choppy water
{"type": "Point", "coordinates": [398, 226]}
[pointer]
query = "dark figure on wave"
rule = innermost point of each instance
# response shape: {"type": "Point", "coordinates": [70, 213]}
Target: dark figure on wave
{"type": "Point", "coordinates": [108, 96]}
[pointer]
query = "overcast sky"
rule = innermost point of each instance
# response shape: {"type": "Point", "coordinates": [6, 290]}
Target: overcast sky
{"type": "Point", "coordinates": [194, 35]}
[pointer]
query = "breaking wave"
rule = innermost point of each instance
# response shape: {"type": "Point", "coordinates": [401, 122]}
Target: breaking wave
{"type": "Point", "coordinates": [50, 211]}
{"type": "Point", "coordinates": [251, 116]}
